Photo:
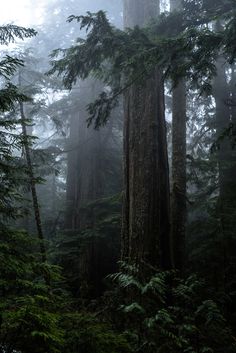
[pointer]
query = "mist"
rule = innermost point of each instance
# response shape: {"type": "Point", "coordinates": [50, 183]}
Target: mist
{"type": "Point", "coordinates": [117, 169]}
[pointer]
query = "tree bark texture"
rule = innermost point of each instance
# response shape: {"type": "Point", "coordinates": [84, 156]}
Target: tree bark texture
{"type": "Point", "coordinates": [146, 224]}
{"type": "Point", "coordinates": [178, 197]}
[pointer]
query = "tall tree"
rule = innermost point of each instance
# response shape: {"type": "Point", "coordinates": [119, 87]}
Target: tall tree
{"type": "Point", "coordinates": [72, 167]}
{"type": "Point", "coordinates": [33, 187]}
{"type": "Point", "coordinates": [89, 174]}
{"type": "Point", "coordinates": [224, 94]}
{"type": "Point", "coordinates": [146, 223]}
{"type": "Point", "coordinates": [178, 197]}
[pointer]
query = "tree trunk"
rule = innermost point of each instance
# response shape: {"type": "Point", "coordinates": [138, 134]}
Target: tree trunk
{"type": "Point", "coordinates": [72, 173]}
{"type": "Point", "coordinates": [176, 5]}
{"type": "Point", "coordinates": [86, 184]}
{"type": "Point", "coordinates": [34, 193]}
{"type": "Point", "coordinates": [178, 199]}
{"type": "Point", "coordinates": [225, 126]}
{"type": "Point", "coordinates": [146, 226]}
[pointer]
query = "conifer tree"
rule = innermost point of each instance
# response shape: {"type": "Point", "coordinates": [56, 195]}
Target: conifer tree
{"type": "Point", "coordinates": [178, 196]}
{"type": "Point", "coordinates": [146, 222]}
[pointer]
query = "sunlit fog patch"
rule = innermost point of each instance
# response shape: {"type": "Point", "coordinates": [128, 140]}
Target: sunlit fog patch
{"type": "Point", "coordinates": [22, 12]}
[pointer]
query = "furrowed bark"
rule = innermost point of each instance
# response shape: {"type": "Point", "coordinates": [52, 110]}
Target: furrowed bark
{"type": "Point", "coordinates": [146, 226]}
{"type": "Point", "coordinates": [178, 197]}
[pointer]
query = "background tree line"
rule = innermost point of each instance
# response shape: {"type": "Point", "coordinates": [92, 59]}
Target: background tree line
{"type": "Point", "coordinates": [118, 195]}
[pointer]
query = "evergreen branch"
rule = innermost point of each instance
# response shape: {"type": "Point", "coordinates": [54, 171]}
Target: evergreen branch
{"type": "Point", "coordinates": [9, 33]}
{"type": "Point", "coordinates": [114, 55]}
{"type": "Point", "coordinates": [9, 96]}
{"type": "Point", "coordinates": [100, 110]}
{"type": "Point", "coordinates": [9, 65]}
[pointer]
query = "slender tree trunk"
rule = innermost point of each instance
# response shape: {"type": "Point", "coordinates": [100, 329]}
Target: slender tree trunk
{"type": "Point", "coordinates": [72, 173]}
{"type": "Point", "coordinates": [146, 227]}
{"type": "Point", "coordinates": [33, 191]}
{"type": "Point", "coordinates": [178, 199]}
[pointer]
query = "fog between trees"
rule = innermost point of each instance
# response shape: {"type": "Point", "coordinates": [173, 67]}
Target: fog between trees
{"type": "Point", "coordinates": [117, 166]}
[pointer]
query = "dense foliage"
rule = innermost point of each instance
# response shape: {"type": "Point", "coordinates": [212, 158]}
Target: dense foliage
{"type": "Point", "coordinates": [62, 287]}
{"type": "Point", "coordinates": [167, 314]}
{"type": "Point", "coordinates": [132, 54]}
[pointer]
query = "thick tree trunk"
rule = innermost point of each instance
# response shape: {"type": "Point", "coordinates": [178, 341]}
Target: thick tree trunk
{"type": "Point", "coordinates": [145, 233]}
{"type": "Point", "coordinates": [225, 121]}
{"type": "Point", "coordinates": [178, 199]}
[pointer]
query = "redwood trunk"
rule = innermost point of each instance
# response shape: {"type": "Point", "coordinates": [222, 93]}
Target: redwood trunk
{"type": "Point", "coordinates": [146, 227]}
{"type": "Point", "coordinates": [178, 200]}
{"type": "Point", "coordinates": [225, 118]}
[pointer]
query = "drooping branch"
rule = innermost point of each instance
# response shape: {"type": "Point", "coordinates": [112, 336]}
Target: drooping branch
{"type": "Point", "coordinates": [116, 57]}
{"type": "Point", "coordinates": [10, 32]}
